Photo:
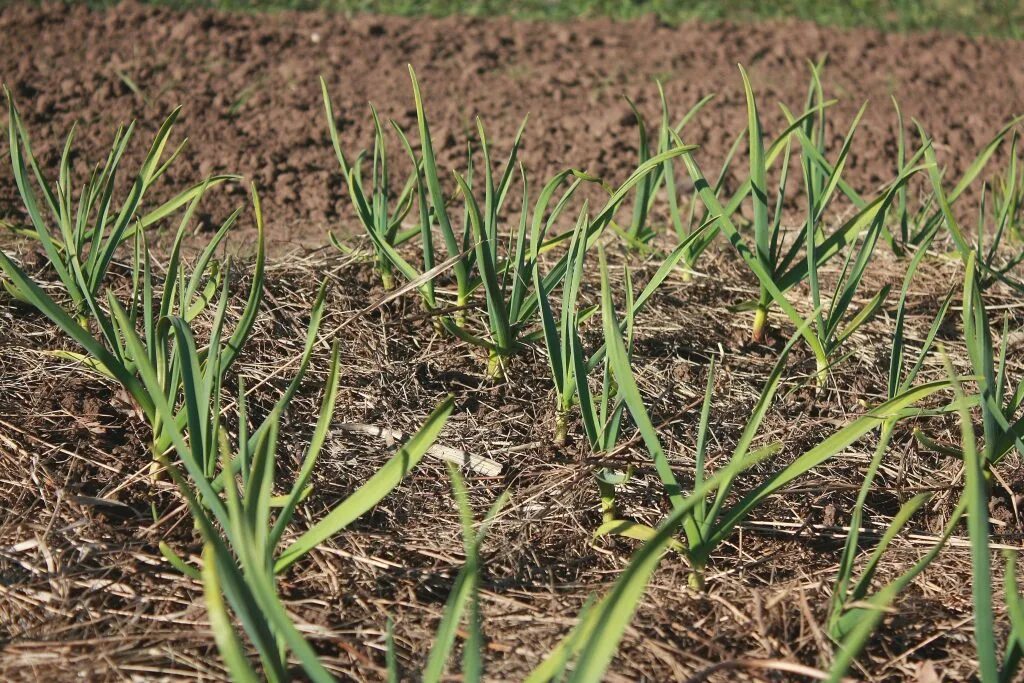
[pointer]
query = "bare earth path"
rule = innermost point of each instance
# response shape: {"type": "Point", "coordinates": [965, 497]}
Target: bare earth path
{"type": "Point", "coordinates": [252, 105]}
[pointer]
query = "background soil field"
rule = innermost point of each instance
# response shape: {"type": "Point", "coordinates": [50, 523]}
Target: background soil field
{"type": "Point", "coordinates": [84, 592]}
{"type": "Point", "coordinates": [248, 85]}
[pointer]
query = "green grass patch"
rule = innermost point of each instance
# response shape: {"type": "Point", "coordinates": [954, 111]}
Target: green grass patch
{"type": "Point", "coordinates": [1000, 18]}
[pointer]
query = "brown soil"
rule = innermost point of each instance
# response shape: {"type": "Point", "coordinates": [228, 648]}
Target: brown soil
{"type": "Point", "coordinates": [248, 84]}
{"type": "Point", "coordinates": [84, 593]}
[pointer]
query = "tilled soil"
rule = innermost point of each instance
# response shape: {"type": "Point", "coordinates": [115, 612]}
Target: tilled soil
{"type": "Point", "coordinates": [248, 85]}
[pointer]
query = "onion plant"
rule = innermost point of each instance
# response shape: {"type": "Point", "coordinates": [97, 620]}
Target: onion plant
{"type": "Point", "coordinates": [988, 365]}
{"type": "Point", "coordinates": [457, 246]}
{"type": "Point", "coordinates": [505, 286]}
{"type": "Point", "coordinates": [248, 534]}
{"type": "Point", "coordinates": [779, 269]}
{"type": "Point", "coordinates": [562, 338]}
{"type": "Point", "coordinates": [1014, 653]}
{"type": "Point", "coordinates": [710, 522]}
{"type": "Point", "coordinates": [1002, 431]}
{"type": "Point", "coordinates": [915, 226]}
{"type": "Point", "coordinates": [853, 627]}
{"type": "Point", "coordinates": [854, 611]}
{"type": "Point", "coordinates": [480, 260]}
{"type": "Point", "coordinates": [183, 295]}
{"type": "Point", "coordinates": [766, 235]}
{"type": "Point", "coordinates": [821, 179]}
{"type": "Point", "coordinates": [975, 498]}
{"type": "Point", "coordinates": [820, 184]}
{"type": "Point", "coordinates": [992, 268]}
{"type": "Point", "coordinates": [569, 363]}
{"type": "Point", "coordinates": [931, 213]}
{"type": "Point", "coordinates": [464, 599]}
{"type": "Point", "coordinates": [998, 401]}
{"type": "Point", "coordinates": [586, 652]}
{"type": "Point", "coordinates": [590, 646]}
{"type": "Point", "coordinates": [80, 238]}
{"type": "Point", "coordinates": [903, 238]}
{"type": "Point", "coordinates": [1007, 208]}
{"type": "Point", "coordinates": [1008, 194]}
{"type": "Point", "coordinates": [571, 367]}
{"type": "Point", "coordinates": [978, 462]}
{"type": "Point", "coordinates": [639, 233]}
{"type": "Point", "coordinates": [695, 246]}
{"type": "Point", "coordinates": [998, 405]}
{"type": "Point", "coordinates": [761, 260]}
{"type": "Point", "coordinates": [383, 224]}
{"type": "Point", "coordinates": [511, 292]}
